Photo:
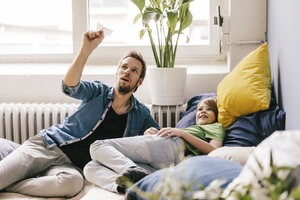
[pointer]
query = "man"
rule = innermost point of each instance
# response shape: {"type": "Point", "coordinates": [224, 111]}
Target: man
{"type": "Point", "coordinates": [104, 112]}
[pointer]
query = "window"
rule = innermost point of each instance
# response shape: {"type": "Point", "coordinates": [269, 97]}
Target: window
{"type": "Point", "coordinates": [119, 14]}
{"type": "Point", "coordinates": [35, 26]}
{"type": "Point", "coordinates": [52, 30]}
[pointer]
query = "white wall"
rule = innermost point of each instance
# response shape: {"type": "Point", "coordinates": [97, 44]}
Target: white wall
{"type": "Point", "coordinates": [284, 42]}
{"type": "Point", "coordinates": [247, 23]}
{"type": "Point", "coordinates": [42, 83]}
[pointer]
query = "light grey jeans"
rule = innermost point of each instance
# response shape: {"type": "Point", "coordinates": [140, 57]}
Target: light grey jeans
{"type": "Point", "coordinates": [112, 157]}
{"type": "Point", "coordinates": [34, 170]}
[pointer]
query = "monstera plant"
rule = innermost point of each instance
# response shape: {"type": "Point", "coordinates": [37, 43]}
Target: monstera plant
{"type": "Point", "coordinates": [167, 19]}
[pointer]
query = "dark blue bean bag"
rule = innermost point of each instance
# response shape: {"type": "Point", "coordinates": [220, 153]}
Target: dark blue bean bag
{"type": "Point", "coordinates": [250, 130]}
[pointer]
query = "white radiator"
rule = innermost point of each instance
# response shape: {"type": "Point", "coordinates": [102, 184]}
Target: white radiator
{"type": "Point", "coordinates": [19, 121]}
{"type": "Point", "coordinates": [166, 116]}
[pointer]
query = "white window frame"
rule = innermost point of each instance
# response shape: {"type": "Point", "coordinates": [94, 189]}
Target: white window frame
{"type": "Point", "coordinates": [110, 55]}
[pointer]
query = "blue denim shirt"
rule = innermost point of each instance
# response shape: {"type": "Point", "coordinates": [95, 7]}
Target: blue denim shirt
{"type": "Point", "coordinates": [96, 98]}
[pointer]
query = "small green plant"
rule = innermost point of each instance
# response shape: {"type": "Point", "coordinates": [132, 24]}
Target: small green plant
{"type": "Point", "coordinates": [169, 18]}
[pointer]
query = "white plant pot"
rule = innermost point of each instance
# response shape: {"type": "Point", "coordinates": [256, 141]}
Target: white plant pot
{"type": "Point", "coordinates": [167, 85]}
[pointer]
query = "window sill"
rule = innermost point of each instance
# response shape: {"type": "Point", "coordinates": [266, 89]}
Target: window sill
{"type": "Point", "coordinates": [61, 69]}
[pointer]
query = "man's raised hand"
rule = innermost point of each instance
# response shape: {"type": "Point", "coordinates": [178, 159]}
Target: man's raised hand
{"type": "Point", "coordinates": [92, 39]}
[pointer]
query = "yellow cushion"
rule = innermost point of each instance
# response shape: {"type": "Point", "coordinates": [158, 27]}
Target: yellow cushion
{"type": "Point", "coordinates": [247, 88]}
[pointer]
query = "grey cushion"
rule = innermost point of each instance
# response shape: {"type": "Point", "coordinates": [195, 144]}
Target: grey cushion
{"type": "Point", "coordinates": [6, 147]}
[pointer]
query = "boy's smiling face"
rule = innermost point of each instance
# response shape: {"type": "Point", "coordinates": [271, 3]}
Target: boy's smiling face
{"type": "Point", "coordinates": [205, 115]}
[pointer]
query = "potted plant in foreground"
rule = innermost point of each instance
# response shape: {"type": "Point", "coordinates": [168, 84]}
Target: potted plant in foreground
{"type": "Point", "coordinates": [166, 19]}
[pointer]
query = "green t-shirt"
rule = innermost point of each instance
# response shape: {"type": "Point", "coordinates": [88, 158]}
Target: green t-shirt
{"type": "Point", "coordinates": [207, 132]}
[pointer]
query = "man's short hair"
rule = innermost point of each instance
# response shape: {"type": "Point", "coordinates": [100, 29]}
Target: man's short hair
{"type": "Point", "coordinates": [139, 57]}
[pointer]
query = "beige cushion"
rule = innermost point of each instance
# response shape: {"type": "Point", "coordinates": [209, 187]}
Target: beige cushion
{"type": "Point", "coordinates": [236, 154]}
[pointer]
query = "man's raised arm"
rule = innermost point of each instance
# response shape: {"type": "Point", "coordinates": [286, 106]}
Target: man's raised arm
{"type": "Point", "coordinates": [91, 40]}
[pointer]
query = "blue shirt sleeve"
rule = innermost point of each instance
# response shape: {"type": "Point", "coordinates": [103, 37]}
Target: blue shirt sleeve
{"type": "Point", "coordinates": [85, 90]}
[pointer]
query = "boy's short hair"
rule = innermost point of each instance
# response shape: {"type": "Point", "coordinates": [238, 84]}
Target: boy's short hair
{"type": "Point", "coordinates": [212, 103]}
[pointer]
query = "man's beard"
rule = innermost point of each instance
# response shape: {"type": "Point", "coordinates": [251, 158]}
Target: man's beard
{"type": "Point", "coordinates": [126, 89]}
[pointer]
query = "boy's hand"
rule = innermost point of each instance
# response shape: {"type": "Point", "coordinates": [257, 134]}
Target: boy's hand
{"type": "Point", "coordinates": [151, 131]}
{"type": "Point", "coordinates": [169, 132]}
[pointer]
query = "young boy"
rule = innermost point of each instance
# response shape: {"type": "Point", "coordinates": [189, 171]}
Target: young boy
{"type": "Point", "coordinates": [116, 159]}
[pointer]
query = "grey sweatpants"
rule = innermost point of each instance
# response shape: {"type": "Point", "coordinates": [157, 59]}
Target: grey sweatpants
{"type": "Point", "coordinates": [112, 157]}
{"type": "Point", "coordinates": [34, 170]}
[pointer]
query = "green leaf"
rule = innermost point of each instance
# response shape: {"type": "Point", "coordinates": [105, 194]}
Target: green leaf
{"type": "Point", "coordinates": [173, 19]}
{"type": "Point", "coordinates": [155, 3]}
{"type": "Point", "coordinates": [187, 20]}
{"type": "Point", "coordinates": [149, 30]}
{"type": "Point", "coordinates": [259, 164]}
{"type": "Point", "coordinates": [186, 35]}
{"type": "Point", "coordinates": [164, 5]}
{"type": "Point", "coordinates": [271, 159]}
{"type": "Point", "coordinates": [285, 168]}
{"type": "Point", "coordinates": [296, 192]}
{"type": "Point", "coordinates": [183, 9]}
{"type": "Point", "coordinates": [187, 39]}
{"type": "Point", "coordinates": [186, 2]}
{"type": "Point", "coordinates": [137, 17]}
{"type": "Point", "coordinates": [139, 3]}
{"type": "Point", "coordinates": [172, 3]}
{"type": "Point", "coordinates": [151, 14]}
{"type": "Point", "coordinates": [142, 32]}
